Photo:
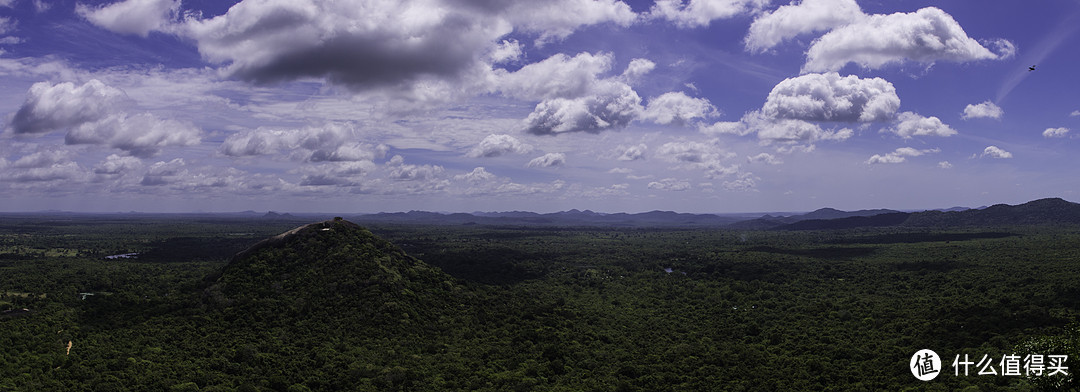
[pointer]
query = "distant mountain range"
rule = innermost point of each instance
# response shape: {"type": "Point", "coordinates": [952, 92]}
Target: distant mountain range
{"type": "Point", "coordinates": [1052, 211]}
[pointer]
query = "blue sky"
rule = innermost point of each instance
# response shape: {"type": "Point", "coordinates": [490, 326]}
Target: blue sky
{"type": "Point", "coordinates": [471, 105]}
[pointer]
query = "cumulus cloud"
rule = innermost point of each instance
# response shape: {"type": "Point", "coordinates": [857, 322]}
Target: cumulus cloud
{"type": "Point", "coordinates": [900, 155]}
{"type": "Point", "coordinates": [1074, 113]}
{"type": "Point", "coordinates": [341, 174]}
{"type": "Point", "coordinates": [507, 51]}
{"type": "Point", "coordinates": [93, 114]}
{"type": "Point", "coordinates": [983, 110]}
{"type": "Point", "coordinates": [116, 165]}
{"type": "Point", "coordinates": [406, 172]}
{"type": "Point", "coordinates": [613, 109]}
{"type": "Point", "coordinates": [478, 175]}
{"type": "Point", "coordinates": [43, 167]}
{"type": "Point", "coordinates": [551, 159]}
{"type": "Point", "coordinates": [764, 158]}
{"type": "Point", "coordinates": [699, 13]}
{"type": "Point", "coordinates": [496, 145]}
{"type": "Point", "coordinates": [925, 36]}
{"type": "Point", "coordinates": [558, 76]}
{"type": "Point", "coordinates": [163, 173]}
{"type": "Point", "coordinates": [331, 142]}
{"type": "Point", "coordinates": [138, 17]}
{"type": "Point", "coordinates": [787, 131]}
{"type": "Point", "coordinates": [7, 25]}
{"type": "Point", "coordinates": [911, 124]}
{"type": "Point", "coordinates": [574, 97]}
{"type": "Point", "coordinates": [796, 107]}
{"type": "Point", "coordinates": [1055, 132]}
{"type": "Point", "coordinates": [746, 182]}
{"type": "Point", "coordinates": [995, 152]}
{"type": "Point", "coordinates": [944, 165]}
{"type": "Point", "coordinates": [709, 158]}
{"type": "Point", "coordinates": [141, 135]}
{"type": "Point", "coordinates": [637, 69]}
{"type": "Point", "coordinates": [809, 16]}
{"type": "Point", "coordinates": [677, 108]}
{"type": "Point", "coordinates": [365, 45]}
{"type": "Point", "coordinates": [51, 107]}
{"type": "Point", "coordinates": [830, 97]}
{"type": "Point", "coordinates": [670, 184]}
{"type": "Point", "coordinates": [554, 20]}
{"type": "Point", "coordinates": [631, 153]}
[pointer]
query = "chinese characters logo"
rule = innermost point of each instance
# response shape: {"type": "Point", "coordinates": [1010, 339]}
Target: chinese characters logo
{"type": "Point", "coordinates": [925, 365]}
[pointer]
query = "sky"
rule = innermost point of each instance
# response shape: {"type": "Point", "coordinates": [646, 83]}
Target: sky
{"type": "Point", "coordinates": [702, 106]}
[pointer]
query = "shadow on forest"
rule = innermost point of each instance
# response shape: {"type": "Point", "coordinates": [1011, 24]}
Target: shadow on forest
{"type": "Point", "coordinates": [819, 253]}
{"type": "Point", "coordinates": [184, 249]}
{"type": "Point", "coordinates": [910, 238]}
{"type": "Point", "coordinates": [486, 266]}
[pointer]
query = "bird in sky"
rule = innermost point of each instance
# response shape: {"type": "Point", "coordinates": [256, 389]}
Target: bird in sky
{"type": "Point", "coordinates": [1031, 68]}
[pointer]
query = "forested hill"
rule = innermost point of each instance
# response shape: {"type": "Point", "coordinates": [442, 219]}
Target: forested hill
{"type": "Point", "coordinates": [1051, 211]}
{"type": "Point", "coordinates": [333, 269]}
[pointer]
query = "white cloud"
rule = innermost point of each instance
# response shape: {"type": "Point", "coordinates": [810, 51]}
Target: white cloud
{"type": "Point", "coordinates": [92, 114]}
{"type": "Point", "coordinates": [1055, 132]}
{"type": "Point", "coordinates": [612, 109]}
{"type": "Point", "coordinates": [787, 131]}
{"type": "Point", "coordinates": [670, 184]}
{"type": "Point", "coordinates": [140, 135]}
{"type": "Point", "coordinates": [691, 152]}
{"type": "Point", "coordinates": [795, 107]}
{"type": "Point", "coordinates": [910, 124]}
{"type": "Point", "coordinates": [478, 175]}
{"type": "Point", "coordinates": [699, 13]}
{"type": "Point", "coordinates": [764, 158]}
{"type": "Point", "coordinates": [574, 98]}
{"type": "Point", "coordinates": [496, 145]}
{"type": "Point", "coordinates": [808, 16]}
{"type": "Point", "coordinates": [747, 182]}
{"type": "Point", "coordinates": [46, 166]}
{"type": "Point", "coordinates": [925, 36]}
{"type": "Point", "coordinates": [361, 45]}
{"type": "Point", "coordinates": [678, 108]}
{"type": "Point", "coordinates": [557, 19]}
{"type": "Point", "coordinates": [407, 46]}
{"type": "Point", "coordinates": [830, 97]}
{"type": "Point", "coordinates": [7, 25]}
{"type": "Point", "coordinates": [338, 174]}
{"type": "Point", "coordinates": [945, 165]}
{"type": "Point", "coordinates": [1075, 113]}
{"type": "Point", "coordinates": [138, 17]}
{"type": "Point", "coordinates": [331, 142]}
{"type": "Point", "coordinates": [983, 110]}
{"type": "Point", "coordinates": [898, 156]}
{"type": "Point", "coordinates": [631, 153]}
{"type": "Point", "coordinates": [405, 172]}
{"type": "Point", "coordinates": [738, 128]}
{"type": "Point", "coordinates": [551, 159]}
{"type": "Point", "coordinates": [559, 76]}
{"type": "Point", "coordinates": [709, 158]}
{"type": "Point", "coordinates": [116, 164]}
{"type": "Point", "coordinates": [507, 51]}
{"type": "Point", "coordinates": [995, 152]}
{"type": "Point", "coordinates": [636, 69]}
{"type": "Point", "coordinates": [51, 107]}
{"type": "Point", "coordinates": [163, 173]}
